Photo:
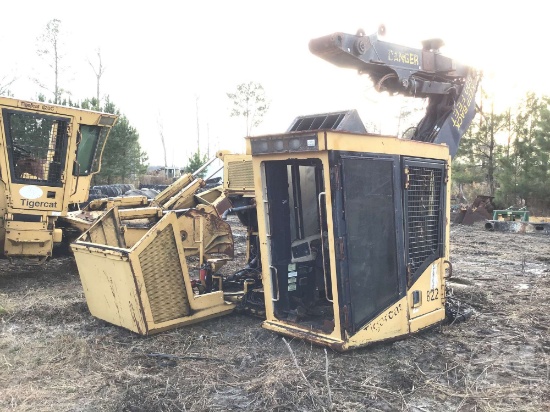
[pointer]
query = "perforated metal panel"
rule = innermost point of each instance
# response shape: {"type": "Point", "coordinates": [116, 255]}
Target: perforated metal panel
{"type": "Point", "coordinates": [424, 214]}
{"type": "Point", "coordinates": [161, 268]}
{"type": "Point", "coordinates": [240, 175]}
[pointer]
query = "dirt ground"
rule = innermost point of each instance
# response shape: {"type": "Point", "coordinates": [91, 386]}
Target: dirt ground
{"type": "Point", "coordinates": [54, 356]}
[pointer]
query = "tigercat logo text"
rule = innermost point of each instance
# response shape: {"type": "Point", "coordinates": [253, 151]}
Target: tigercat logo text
{"type": "Point", "coordinates": [37, 106]}
{"type": "Point", "coordinates": [32, 204]}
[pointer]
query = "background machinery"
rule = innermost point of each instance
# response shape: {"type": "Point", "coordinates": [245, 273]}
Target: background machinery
{"type": "Point", "coordinates": [348, 231]}
{"type": "Point", "coordinates": [48, 155]}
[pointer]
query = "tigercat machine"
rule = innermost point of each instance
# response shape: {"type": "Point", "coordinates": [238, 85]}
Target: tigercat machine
{"type": "Point", "coordinates": [348, 231]}
{"type": "Point", "coordinates": [48, 155]}
{"type": "Point", "coordinates": [354, 227]}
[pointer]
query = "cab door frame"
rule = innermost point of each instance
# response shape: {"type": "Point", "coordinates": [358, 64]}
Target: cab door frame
{"type": "Point", "coordinates": [371, 268]}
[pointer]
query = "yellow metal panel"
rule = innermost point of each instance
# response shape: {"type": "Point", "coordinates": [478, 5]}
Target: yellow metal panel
{"type": "Point", "coordinates": [200, 302]}
{"type": "Point", "coordinates": [106, 231]}
{"type": "Point", "coordinates": [208, 313]}
{"type": "Point", "coordinates": [173, 189]}
{"type": "Point", "coordinates": [385, 145]}
{"type": "Point", "coordinates": [132, 235]}
{"type": "Point", "coordinates": [237, 174]}
{"type": "Point", "coordinates": [185, 198]}
{"type": "Point", "coordinates": [427, 320]}
{"type": "Point", "coordinates": [109, 288]}
{"type": "Point", "coordinates": [209, 196]}
{"type": "Point", "coordinates": [37, 243]}
{"type": "Point", "coordinates": [25, 226]}
{"type": "Point", "coordinates": [52, 203]}
{"type": "Point", "coordinates": [432, 290]}
{"type": "Point", "coordinates": [295, 331]}
{"type": "Point", "coordinates": [391, 323]}
{"type": "Point", "coordinates": [139, 213]}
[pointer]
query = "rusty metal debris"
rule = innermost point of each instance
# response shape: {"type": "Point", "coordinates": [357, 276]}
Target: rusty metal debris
{"type": "Point", "coordinates": [517, 226]}
{"type": "Point", "coordinates": [481, 209]}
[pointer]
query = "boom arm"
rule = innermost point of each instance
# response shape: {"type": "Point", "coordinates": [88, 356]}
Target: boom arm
{"type": "Point", "coordinates": [449, 86]}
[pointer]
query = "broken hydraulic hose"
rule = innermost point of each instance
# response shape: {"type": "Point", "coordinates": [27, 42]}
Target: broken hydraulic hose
{"type": "Point", "coordinates": [237, 209]}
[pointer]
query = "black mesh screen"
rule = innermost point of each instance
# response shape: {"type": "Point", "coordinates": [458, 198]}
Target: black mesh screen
{"type": "Point", "coordinates": [371, 236]}
{"type": "Point", "coordinates": [37, 146]}
{"type": "Point", "coordinates": [424, 204]}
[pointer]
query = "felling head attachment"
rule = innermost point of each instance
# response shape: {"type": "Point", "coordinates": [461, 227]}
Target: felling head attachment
{"type": "Point", "coordinates": [424, 73]}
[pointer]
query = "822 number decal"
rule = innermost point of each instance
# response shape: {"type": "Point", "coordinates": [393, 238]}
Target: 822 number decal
{"type": "Point", "coordinates": [432, 294]}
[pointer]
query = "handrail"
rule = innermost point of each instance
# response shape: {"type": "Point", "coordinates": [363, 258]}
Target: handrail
{"type": "Point", "coordinates": [277, 282]}
{"type": "Point", "coordinates": [323, 243]}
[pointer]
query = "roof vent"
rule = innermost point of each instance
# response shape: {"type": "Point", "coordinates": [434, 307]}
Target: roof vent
{"type": "Point", "coordinates": [346, 121]}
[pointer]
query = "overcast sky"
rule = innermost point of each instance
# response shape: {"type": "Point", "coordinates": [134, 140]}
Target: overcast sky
{"type": "Point", "coordinates": [162, 56]}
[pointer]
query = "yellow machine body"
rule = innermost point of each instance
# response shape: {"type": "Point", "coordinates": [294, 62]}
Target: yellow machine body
{"type": "Point", "coordinates": [182, 194]}
{"type": "Point", "coordinates": [138, 279]}
{"type": "Point", "coordinates": [354, 235]}
{"type": "Point", "coordinates": [48, 155]}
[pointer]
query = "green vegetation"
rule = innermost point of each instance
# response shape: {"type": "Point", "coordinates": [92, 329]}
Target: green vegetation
{"type": "Point", "coordinates": [507, 155]}
{"type": "Point", "coordinates": [249, 101]}
{"type": "Point", "coordinates": [123, 159]}
{"type": "Point", "coordinates": [195, 162]}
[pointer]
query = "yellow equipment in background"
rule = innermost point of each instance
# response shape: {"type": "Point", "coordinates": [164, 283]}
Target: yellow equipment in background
{"type": "Point", "coordinates": [48, 155]}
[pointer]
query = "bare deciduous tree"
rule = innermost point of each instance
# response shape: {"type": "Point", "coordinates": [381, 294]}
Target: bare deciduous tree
{"type": "Point", "coordinates": [249, 101]}
{"type": "Point", "coordinates": [49, 48]}
{"type": "Point", "coordinates": [99, 71]}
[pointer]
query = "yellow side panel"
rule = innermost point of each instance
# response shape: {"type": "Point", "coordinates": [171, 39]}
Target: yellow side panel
{"type": "Point", "coordinates": [391, 323]}
{"type": "Point", "coordinates": [132, 235]}
{"type": "Point", "coordinates": [110, 290]}
{"type": "Point", "coordinates": [430, 287]}
{"type": "Point", "coordinates": [427, 320]}
{"type": "Point", "coordinates": [106, 231]}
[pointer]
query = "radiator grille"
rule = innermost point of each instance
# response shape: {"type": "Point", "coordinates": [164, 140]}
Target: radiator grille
{"type": "Point", "coordinates": [162, 273]}
{"type": "Point", "coordinates": [424, 204]}
{"type": "Point", "coordinates": [239, 175]}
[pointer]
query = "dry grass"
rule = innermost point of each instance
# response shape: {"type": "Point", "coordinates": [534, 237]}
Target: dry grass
{"type": "Point", "coordinates": [55, 357]}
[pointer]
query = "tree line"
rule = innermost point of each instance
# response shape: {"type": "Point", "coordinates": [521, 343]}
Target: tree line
{"type": "Point", "coordinates": [123, 159]}
{"type": "Point", "coordinates": [506, 155]}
